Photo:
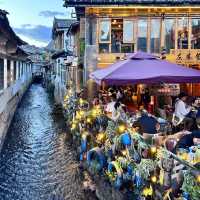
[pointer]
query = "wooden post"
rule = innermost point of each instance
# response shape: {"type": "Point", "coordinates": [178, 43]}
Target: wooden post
{"type": "Point", "coordinates": [176, 34]}
{"type": "Point", "coordinates": [149, 35]}
{"type": "Point", "coordinates": [189, 32]}
{"type": "Point", "coordinates": [162, 36]}
{"type": "Point", "coordinates": [11, 71]}
{"type": "Point", "coordinates": [5, 74]}
{"type": "Point", "coordinates": [136, 34]}
{"type": "Point", "coordinates": [17, 70]}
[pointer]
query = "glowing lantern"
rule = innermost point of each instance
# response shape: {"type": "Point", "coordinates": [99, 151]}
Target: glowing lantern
{"type": "Point", "coordinates": [81, 101]}
{"type": "Point", "coordinates": [153, 150]}
{"type": "Point", "coordinates": [82, 113]}
{"type": "Point", "coordinates": [100, 137]}
{"type": "Point", "coordinates": [154, 179]}
{"type": "Point", "coordinates": [198, 178]}
{"type": "Point", "coordinates": [73, 126]}
{"type": "Point", "coordinates": [124, 152]}
{"type": "Point", "coordinates": [89, 120]}
{"type": "Point", "coordinates": [122, 128]}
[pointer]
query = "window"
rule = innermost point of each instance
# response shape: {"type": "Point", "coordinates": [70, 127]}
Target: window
{"type": "Point", "coordinates": [9, 74]}
{"type": "Point", "coordinates": [15, 70]}
{"type": "Point", "coordinates": [155, 35]}
{"type": "Point", "coordinates": [116, 35]}
{"type": "Point", "coordinates": [142, 35]}
{"type": "Point", "coordinates": [1, 74]}
{"type": "Point", "coordinates": [195, 37]}
{"type": "Point", "coordinates": [183, 33]}
{"type": "Point", "coordinates": [103, 48]}
{"type": "Point", "coordinates": [19, 69]}
{"type": "Point", "coordinates": [169, 25]}
{"type": "Point", "coordinates": [104, 35]}
{"type": "Point", "coordinates": [128, 31]}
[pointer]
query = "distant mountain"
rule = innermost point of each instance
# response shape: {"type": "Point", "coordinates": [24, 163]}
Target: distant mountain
{"type": "Point", "coordinates": [31, 49]}
{"type": "Point", "coordinates": [50, 46]}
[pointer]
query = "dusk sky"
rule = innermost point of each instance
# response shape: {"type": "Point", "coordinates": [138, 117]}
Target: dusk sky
{"type": "Point", "coordinates": [32, 19]}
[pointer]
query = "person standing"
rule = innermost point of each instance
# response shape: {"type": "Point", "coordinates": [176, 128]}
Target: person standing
{"type": "Point", "coordinates": [181, 108]}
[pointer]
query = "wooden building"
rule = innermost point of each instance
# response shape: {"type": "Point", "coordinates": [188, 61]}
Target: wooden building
{"type": "Point", "coordinates": [63, 46]}
{"type": "Point", "coordinates": [15, 73]}
{"type": "Point", "coordinates": [112, 28]}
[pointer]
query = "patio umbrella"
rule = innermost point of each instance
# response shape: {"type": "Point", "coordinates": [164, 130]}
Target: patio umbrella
{"type": "Point", "coordinates": [144, 68]}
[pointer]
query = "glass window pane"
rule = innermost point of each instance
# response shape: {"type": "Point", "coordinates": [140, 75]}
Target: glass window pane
{"type": "Point", "coordinates": [103, 48]}
{"type": "Point", "coordinates": [116, 35]}
{"type": "Point", "coordinates": [128, 33]}
{"type": "Point", "coordinates": [104, 33]}
{"type": "Point", "coordinates": [142, 35]}
{"type": "Point", "coordinates": [155, 35]}
{"type": "Point", "coordinates": [169, 25]}
{"type": "Point", "coordinates": [195, 38]}
{"type": "Point", "coordinates": [127, 48]}
{"type": "Point", "coordinates": [183, 33]}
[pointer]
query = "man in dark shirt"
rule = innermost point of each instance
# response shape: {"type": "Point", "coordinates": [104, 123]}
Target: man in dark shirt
{"type": "Point", "coordinates": [148, 124]}
{"type": "Point", "coordinates": [191, 139]}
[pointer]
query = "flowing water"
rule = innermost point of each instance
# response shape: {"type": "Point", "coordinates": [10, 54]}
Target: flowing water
{"type": "Point", "coordinates": [37, 162]}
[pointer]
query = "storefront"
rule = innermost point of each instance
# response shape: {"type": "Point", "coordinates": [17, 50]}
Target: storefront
{"type": "Point", "coordinates": [115, 28]}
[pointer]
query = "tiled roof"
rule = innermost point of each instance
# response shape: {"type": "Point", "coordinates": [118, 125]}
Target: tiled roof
{"type": "Point", "coordinates": [6, 29]}
{"type": "Point", "coordinates": [80, 3]}
{"type": "Point", "coordinates": [63, 23]}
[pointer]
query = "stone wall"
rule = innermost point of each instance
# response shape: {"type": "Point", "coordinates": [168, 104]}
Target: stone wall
{"type": "Point", "coordinates": [9, 100]}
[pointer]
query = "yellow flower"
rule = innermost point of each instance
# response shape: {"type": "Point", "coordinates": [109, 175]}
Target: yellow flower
{"type": "Point", "coordinates": [148, 191]}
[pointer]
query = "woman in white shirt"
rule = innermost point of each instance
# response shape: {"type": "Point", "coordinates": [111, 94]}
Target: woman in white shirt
{"type": "Point", "coordinates": [181, 109]}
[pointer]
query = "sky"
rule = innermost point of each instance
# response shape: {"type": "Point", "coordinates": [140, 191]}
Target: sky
{"type": "Point", "coordinates": [32, 20]}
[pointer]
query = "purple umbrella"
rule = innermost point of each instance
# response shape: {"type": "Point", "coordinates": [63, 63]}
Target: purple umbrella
{"type": "Point", "coordinates": [143, 68]}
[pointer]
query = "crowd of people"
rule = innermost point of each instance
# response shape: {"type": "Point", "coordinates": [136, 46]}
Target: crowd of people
{"type": "Point", "coordinates": [185, 120]}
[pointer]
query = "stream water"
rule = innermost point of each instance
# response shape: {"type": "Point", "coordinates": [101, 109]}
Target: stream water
{"type": "Point", "coordinates": [37, 162]}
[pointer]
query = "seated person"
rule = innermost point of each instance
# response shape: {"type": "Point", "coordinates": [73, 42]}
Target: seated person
{"type": "Point", "coordinates": [111, 104]}
{"type": "Point", "coordinates": [181, 108]}
{"type": "Point", "coordinates": [148, 123]}
{"type": "Point", "coordinates": [190, 139]}
{"type": "Point", "coordinates": [118, 112]}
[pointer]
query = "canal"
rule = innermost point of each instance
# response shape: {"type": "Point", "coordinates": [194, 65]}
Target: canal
{"type": "Point", "coordinates": [37, 162]}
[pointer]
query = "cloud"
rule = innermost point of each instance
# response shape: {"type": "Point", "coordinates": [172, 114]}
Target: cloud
{"type": "Point", "coordinates": [39, 33]}
{"type": "Point", "coordinates": [32, 41]}
{"type": "Point", "coordinates": [49, 13]}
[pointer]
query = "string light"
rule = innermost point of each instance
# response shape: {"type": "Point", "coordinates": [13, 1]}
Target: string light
{"type": "Point", "coordinates": [73, 126]}
{"type": "Point", "coordinates": [124, 153]}
{"type": "Point", "coordinates": [89, 120]}
{"type": "Point", "coordinates": [153, 150]}
{"type": "Point", "coordinates": [100, 137]}
{"type": "Point", "coordinates": [84, 135]}
{"type": "Point", "coordinates": [154, 179]}
{"type": "Point", "coordinates": [81, 101]}
{"type": "Point", "coordinates": [198, 178]}
{"type": "Point", "coordinates": [122, 128]}
{"type": "Point", "coordinates": [82, 113]}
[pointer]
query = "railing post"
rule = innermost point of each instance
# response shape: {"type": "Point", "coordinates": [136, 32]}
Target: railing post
{"type": "Point", "coordinates": [5, 74]}
{"type": "Point", "coordinates": [12, 71]}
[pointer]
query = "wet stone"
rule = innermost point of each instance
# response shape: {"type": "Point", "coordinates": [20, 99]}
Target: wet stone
{"type": "Point", "coordinates": [37, 162]}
